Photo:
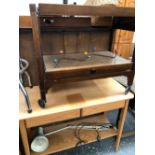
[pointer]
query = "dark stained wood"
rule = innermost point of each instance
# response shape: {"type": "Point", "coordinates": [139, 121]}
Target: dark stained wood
{"type": "Point", "coordinates": [26, 49]}
{"type": "Point", "coordinates": [50, 80]}
{"type": "Point", "coordinates": [112, 33]}
{"type": "Point", "coordinates": [100, 40]}
{"type": "Point", "coordinates": [101, 21]}
{"type": "Point", "coordinates": [126, 23]}
{"type": "Point", "coordinates": [26, 22]}
{"type": "Point", "coordinates": [72, 39]}
{"type": "Point", "coordinates": [38, 49]}
{"type": "Point", "coordinates": [83, 41]}
{"type": "Point", "coordinates": [52, 42]}
{"type": "Point", "coordinates": [70, 42]}
{"type": "Point", "coordinates": [54, 9]}
{"type": "Point", "coordinates": [64, 21]}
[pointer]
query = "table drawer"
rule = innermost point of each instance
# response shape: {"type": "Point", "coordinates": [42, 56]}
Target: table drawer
{"type": "Point", "coordinates": [102, 108]}
{"type": "Point", "coordinates": [52, 118]}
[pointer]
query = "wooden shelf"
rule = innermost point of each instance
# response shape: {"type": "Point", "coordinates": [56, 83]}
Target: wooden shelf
{"type": "Point", "coordinates": [73, 96]}
{"type": "Point", "coordinates": [66, 139]}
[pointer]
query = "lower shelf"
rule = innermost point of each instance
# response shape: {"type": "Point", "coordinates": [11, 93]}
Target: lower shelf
{"type": "Point", "coordinates": [66, 139]}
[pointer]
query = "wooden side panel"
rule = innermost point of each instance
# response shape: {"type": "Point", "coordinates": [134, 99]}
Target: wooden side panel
{"type": "Point", "coordinates": [125, 36]}
{"type": "Point", "coordinates": [83, 41]}
{"type": "Point", "coordinates": [116, 36]}
{"type": "Point", "coordinates": [100, 40]}
{"type": "Point", "coordinates": [124, 50]}
{"type": "Point", "coordinates": [70, 42]}
{"type": "Point", "coordinates": [52, 42]}
{"type": "Point", "coordinates": [130, 3]}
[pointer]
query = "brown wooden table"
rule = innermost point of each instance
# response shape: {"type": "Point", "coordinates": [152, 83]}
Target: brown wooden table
{"type": "Point", "coordinates": [43, 21]}
{"type": "Point", "coordinates": [75, 102]}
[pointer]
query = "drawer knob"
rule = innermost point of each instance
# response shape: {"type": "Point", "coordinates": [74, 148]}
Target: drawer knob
{"type": "Point", "coordinates": [48, 21]}
{"type": "Point", "coordinates": [93, 71]}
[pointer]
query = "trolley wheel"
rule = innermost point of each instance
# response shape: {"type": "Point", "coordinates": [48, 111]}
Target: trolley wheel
{"type": "Point", "coordinates": [42, 103]}
{"type": "Point", "coordinates": [29, 110]}
{"type": "Point", "coordinates": [31, 86]}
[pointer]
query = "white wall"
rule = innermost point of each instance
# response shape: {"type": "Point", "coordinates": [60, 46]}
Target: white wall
{"type": "Point", "coordinates": [23, 6]}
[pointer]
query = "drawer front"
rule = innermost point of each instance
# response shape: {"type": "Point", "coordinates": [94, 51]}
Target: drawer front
{"type": "Point", "coordinates": [52, 118]}
{"type": "Point", "coordinates": [102, 108]}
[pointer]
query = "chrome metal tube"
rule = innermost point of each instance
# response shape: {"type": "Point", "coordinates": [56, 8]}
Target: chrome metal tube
{"type": "Point", "coordinates": [25, 96]}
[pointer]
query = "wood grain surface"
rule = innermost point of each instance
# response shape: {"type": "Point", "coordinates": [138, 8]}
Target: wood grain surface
{"type": "Point", "coordinates": [93, 92]}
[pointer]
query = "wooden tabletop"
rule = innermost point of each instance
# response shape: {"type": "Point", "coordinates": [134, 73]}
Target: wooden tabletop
{"type": "Point", "coordinates": [71, 96]}
{"type": "Point", "coordinates": [83, 10]}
